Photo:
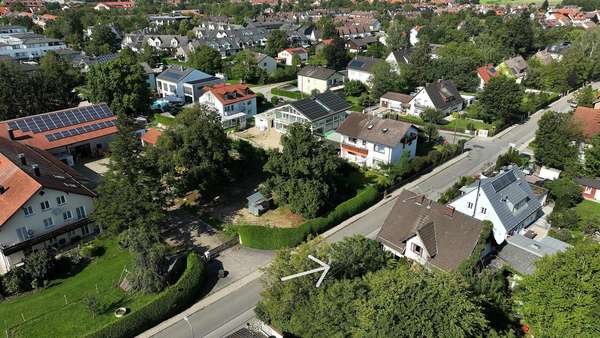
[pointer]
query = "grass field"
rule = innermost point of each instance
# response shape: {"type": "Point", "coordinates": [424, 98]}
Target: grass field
{"type": "Point", "coordinates": [588, 211]}
{"type": "Point", "coordinates": [46, 314]}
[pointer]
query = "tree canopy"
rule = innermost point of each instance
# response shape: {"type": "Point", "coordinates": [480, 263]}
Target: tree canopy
{"type": "Point", "coordinates": [276, 42]}
{"type": "Point", "coordinates": [501, 100]}
{"type": "Point", "coordinates": [102, 41]}
{"type": "Point", "coordinates": [335, 54]}
{"type": "Point", "coordinates": [556, 140]}
{"type": "Point", "coordinates": [206, 59]}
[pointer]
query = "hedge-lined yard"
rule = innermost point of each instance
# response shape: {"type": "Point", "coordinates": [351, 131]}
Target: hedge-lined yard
{"type": "Point", "coordinates": [270, 238]}
{"type": "Point", "coordinates": [287, 93]}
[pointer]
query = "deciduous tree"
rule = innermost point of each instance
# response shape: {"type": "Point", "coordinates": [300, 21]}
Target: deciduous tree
{"type": "Point", "coordinates": [501, 100]}
{"type": "Point", "coordinates": [206, 59]}
{"type": "Point", "coordinates": [556, 140]}
{"type": "Point", "coordinates": [276, 42]}
{"type": "Point", "coordinates": [102, 41]}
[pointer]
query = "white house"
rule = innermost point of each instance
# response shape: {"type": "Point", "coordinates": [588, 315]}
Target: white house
{"type": "Point", "coordinates": [485, 73]}
{"type": "Point", "coordinates": [431, 234]}
{"type": "Point", "coordinates": [396, 102]}
{"type": "Point", "coordinates": [187, 83]}
{"type": "Point", "coordinates": [8, 30]}
{"type": "Point", "coordinates": [234, 103]}
{"type": "Point", "coordinates": [360, 69]}
{"type": "Point", "coordinates": [287, 55]}
{"type": "Point", "coordinates": [373, 141]}
{"type": "Point", "coordinates": [507, 200]}
{"type": "Point", "coordinates": [43, 203]}
{"type": "Point", "coordinates": [441, 95]}
{"type": "Point", "coordinates": [414, 35]}
{"type": "Point", "coordinates": [265, 62]}
{"type": "Point", "coordinates": [318, 79]}
{"type": "Point", "coordinates": [24, 46]}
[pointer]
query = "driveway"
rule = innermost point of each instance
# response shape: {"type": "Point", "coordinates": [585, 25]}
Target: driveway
{"type": "Point", "coordinates": [266, 89]}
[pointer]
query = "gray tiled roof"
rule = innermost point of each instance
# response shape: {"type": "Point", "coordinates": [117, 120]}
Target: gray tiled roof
{"type": "Point", "coordinates": [317, 72]}
{"type": "Point", "coordinates": [374, 129]}
{"type": "Point", "coordinates": [588, 182]}
{"type": "Point", "coordinates": [443, 94]}
{"type": "Point", "coordinates": [363, 63]}
{"type": "Point", "coordinates": [521, 252]}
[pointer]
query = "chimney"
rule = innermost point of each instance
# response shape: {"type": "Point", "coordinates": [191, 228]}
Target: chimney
{"type": "Point", "coordinates": [420, 199]}
{"type": "Point", "coordinates": [2, 189]}
{"type": "Point", "coordinates": [36, 169]}
{"type": "Point", "coordinates": [450, 211]}
{"type": "Point", "coordinates": [11, 133]}
{"type": "Point", "coordinates": [22, 159]}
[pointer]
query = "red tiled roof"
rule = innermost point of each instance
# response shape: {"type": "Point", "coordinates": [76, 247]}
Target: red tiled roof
{"type": "Point", "coordinates": [239, 92]}
{"type": "Point", "coordinates": [4, 10]}
{"type": "Point", "coordinates": [40, 141]}
{"type": "Point", "coordinates": [151, 136]}
{"type": "Point", "coordinates": [487, 72]}
{"type": "Point", "coordinates": [588, 119]}
{"type": "Point", "coordinates": [296, 50]}
{"type": "Point", "coordinates": [19, 188]}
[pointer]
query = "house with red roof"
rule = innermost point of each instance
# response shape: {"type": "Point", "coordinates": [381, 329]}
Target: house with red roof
{"type": "Point", "coordinates": [485, 74]}
{"type": "Point", "coordinates": [151, 136]}
{"type": "Point", "coordinates": [588, 119]}
{"type": "Point", "coordinates": [287, 55]}
{"type": "Point", "coordinates": [68, 134]}
{"type": "Point", "coordinates": [43, 203]}
{"type": "Point", "coordinates": [233, 102]}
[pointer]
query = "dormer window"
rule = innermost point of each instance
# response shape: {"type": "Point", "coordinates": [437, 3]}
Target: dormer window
{"type": "Point", "coordinates": [417, 249]}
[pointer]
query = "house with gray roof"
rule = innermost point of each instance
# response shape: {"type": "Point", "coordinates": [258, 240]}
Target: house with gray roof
{"type": "Point", "coordinates": [361, 68]}
{"type": "Point", "coordinates": [184, 83]}
{"type": "Point", "coordinates": [431, 234]}
{"type": "Point", "coordinates": [320, 79]}
{"type": "Point", "coordinates": [507, 200]}
{"type": "Point", "coordinates": [441, 95]}
{"type": "Point", "coordinates": [521, 252]}
{"type": "Point", "coordinates": [515, 67]}
{"type": "Point", "coordinates": [324, 112]}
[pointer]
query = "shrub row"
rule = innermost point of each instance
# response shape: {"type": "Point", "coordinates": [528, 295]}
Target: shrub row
{"type": "Point", "coordinates": [269, 238]}
{"type": "Point", "coordinates": [287, 93]}
{"type": "Point", "coordinates": [167, 303]}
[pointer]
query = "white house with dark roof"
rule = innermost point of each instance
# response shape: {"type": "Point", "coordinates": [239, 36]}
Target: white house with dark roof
{"type": "Point", "coordinates": [28, 45]}
{"type": "Point", "coordinates": [397, 102]}
{"type": "Point", "coordinates": [43, 203]}
{"type": "Point", "coordinates": [371, 141]}
{"type": "Point", "coordinates": [441, 95]}
{"type": "Point", "coordinates": [320, 79]}
{"type": "Point", "coordinates": [185, 83]}
{"type": "Point", "coordinates": [361, 69]}
{"type": "Point", "coordinates": [324, 112]}
{"type": "Point", "coordinates": [507, 200]}
{"type": "Point", "coordinates": [265, 62]}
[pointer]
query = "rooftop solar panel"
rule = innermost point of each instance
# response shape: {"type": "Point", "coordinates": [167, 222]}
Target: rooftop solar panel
{"type": "Point", "coordinates": [79, 130]}
{"type": "Point", "coordinates": [60, 119]}
{"type": "Point", "coordinates": [503, 181]}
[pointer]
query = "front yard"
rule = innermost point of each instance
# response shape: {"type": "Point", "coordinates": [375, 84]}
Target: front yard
{"type": "Point", "coordinates": [43, 313]}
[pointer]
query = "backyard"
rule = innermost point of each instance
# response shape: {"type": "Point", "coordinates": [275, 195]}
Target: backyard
{"type": "Point", "coordinates": [43, 313]}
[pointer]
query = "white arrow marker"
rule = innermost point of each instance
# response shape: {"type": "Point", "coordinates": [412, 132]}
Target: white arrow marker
{"type": "Point", "coordinates": [324, 267]}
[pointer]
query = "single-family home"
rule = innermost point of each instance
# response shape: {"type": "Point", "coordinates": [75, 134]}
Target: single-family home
{"type": "Point", "coordinates": [68, 134]}
{"type": "Point", "coordinates": [287, 55]}
{"type": "Point", "coordinates": [372, 141]}
{"type": "Point", "coordinates": [433, 235]}
{"type": "Point", "coordinates": [399, 57]}
{"type": "Point", "coordinates": [320, 79]}
{"type": "Point", "coordinates": [588, 120]}
{"type": "Point", "coordinates": [265, 62]}
{"type": "Point", "coordinates": [590, 188]}
{"type": "Point", "coordinates": [359, 45]}
{"type": "Point", "coordinates": [515, 67]}
{"type": "Point", "coordinates": [441, 95]}
{"type": "Point", "coordinates": [396, 102]}
{"type": "Point", "coordinates": [108, 5]}
{"type": "Point", "coordinates": [185, 83]}
{"type": "Point", "coordinates": [414, 35]}
{"type": "Point", "coordinates": [521, 252]}
{"type": "Point", "coordinates": [28, 45]}
{"type": "Point", "coordinates": [507, 200]}
{"type": "Point", "coordinates": [324, 112]}
{"type": "Point", "coordinates": [485, 74]}
{"type": "Point", "coordinates": [234, 103]}
{"type": "Point", "coordinates": [43, 203]}
{"type": "Point", "coordinates": [360, 69]}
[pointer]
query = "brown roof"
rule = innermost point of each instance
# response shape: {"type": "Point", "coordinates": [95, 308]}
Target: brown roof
{"type": "Point", "coordinates": [449, 236]}
{"type": "Point", "coordinates": [404, 98]}
{"type": "Point", "coordinates": [151, 136]}
{"type": "Point", "coordinates": [588, 119]}
{"type": "Point", "coordinates": [20, 182]}
{"type": "Point", "coordinates": [375, 129]}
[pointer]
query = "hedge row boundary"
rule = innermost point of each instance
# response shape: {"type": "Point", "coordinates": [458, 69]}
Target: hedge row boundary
{"type": "Point", "coordinates": [270, 238]}
{"type": "Point", "coordinates": [169, 302]}
{"type": "Point", "coordinates": [287, 93]}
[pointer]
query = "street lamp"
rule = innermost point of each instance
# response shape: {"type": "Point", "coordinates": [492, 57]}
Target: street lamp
{"type": "Point", "coordinates": [187, 320]}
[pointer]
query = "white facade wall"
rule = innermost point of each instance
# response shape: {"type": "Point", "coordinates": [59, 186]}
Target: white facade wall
{"type": "Point", "coordinates": [420, 103]}
{"type": "Point", "coordinates": [391, 60]}
{"type": "Point", "coordinates": [361, 76]}
{"type": "Point", "coordinates": [15, 48]}
{"type": "Point", "coordinates": [167, 88]}
{"type": "Point", "coordinates": [412, 255]}
{"type": "Point", "coordinates": [308, 84]}
{"type": "Point", "coordinates": [485, 211]}
{"type": "Point", "coordinates": [396, 106]}
{"type": "Point", "coordinates": [385, 155]}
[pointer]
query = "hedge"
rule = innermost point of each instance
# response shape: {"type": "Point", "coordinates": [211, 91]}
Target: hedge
{"type": "Point", "coordinates": [287, 93]}
{"type": "Point", "coordinates": [169, 302]}
{"type": "Point", "coordinates": [270, 238]}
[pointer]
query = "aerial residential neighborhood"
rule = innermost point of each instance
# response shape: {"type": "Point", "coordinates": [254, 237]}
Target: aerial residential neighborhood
{"type": "Point", "coordinates": [263, 168]}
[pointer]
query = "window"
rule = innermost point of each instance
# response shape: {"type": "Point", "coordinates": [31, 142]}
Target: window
{"type": "Point", "coordinates": [588, 190]}
{"type": "Point", "coordinates": [60, 200]}
{"type": "Point", "coordinates": [483, 210]}
{"type": "Point", "coordinates": [28, 210]}
{"type": "Point", "coordinates": [67, 215]}
{"type": "Point", "coordinates": [45, 205]}
{"type": "Point", "coordinates": [470, 205]}
{"type": "Point", "coordinates": [417, 249]}
{"type": "Point", "coordinates": [22, 234]}
{"type": "Point", "coordinates": [48, 222]}
{"type": "Point", "coordinates": [80, 212]}
{"type": "Point", "coordinates": [380, 148]}
{"type": "Point", "coordinates": [352, 139]}
{"type": "Point", "coordinates": [85, 230]}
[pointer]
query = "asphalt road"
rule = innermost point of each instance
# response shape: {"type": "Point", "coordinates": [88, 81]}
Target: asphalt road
{"type": "Point", "coordinates": [235, 309]}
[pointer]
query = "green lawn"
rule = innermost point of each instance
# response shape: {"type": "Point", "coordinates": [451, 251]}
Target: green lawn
{"type": "Point", "coordinates": [587, 211]}
{"type": "Point", "coordinates": [355, 102]}
{"type": "Point", "coordinates": [462, 123]}
{"type": "Point", "coordinates": [174, 61]}
{"type": "Point", "coordinates": [47, 315]}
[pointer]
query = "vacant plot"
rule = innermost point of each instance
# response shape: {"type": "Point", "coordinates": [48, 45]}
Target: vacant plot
{"type": "Point", "coordinates": [281, 217]}
{"type": "Point", "coordinates": [58, 311]}
{"type": "Point", "coordinates": [266, 139]}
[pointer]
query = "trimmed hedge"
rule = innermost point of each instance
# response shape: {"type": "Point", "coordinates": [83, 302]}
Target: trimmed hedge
{"type": "Point", "coordinates": [287, 93]}
{"type": "Point", "coordinates": [169, 302]}
{"type": "Point", "coordinates": [269, 238]}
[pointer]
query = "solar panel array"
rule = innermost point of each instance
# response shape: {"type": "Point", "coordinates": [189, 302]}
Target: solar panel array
{"type": "Point", "coordinates": [504, 181]}
{"type": "Point", "coordinates": [61, 119]}
{"type": "Point", "coordinates": [79, 130]}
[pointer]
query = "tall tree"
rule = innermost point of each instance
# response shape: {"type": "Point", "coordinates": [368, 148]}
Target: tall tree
{"type": "Point", "coordinates": [395, 36]}
{"type": "Point", "coordinates": [556, 140]}
{"type": "Point", "coordinates": [121, 83]}
{"type": "Point", "coordinates": [326, 27]}
{"type": "Point", "coordinates": [561, 297]}
{"type": "Point", "coordinates": [501, 100]}
{"type": "Point", "coordinates": [335, 54]}
{"type": "Point", "coordinates": [194, 155]}
{"type": "Point", "coordinates": [586, 97]}
{"type": "Point", "coordinates": [592, 157]}
{"type": "Point", "coordinates": [245, 68]}
{"type": "Point", "coordinates": [383, 79]}
{"type": "Point", "coordinates": [102, 41]}
{"type": "Point", "coordinates": [58, 79]}
{"type": "Point", "coordinates": [420, 60]}
{"type": "Point", "coordinates": [149, 259]}
{"type": "Point", "coordinates": [276, 42]}
{"type": "Point", "coordinates": [303, 173]}
{"type": "Point", "coordinates": [206, 59]}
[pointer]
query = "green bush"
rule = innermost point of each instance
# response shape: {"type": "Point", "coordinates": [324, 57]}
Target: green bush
{"type": "Point", "coordinates": [90, 250]}
{"type": "Point", "coordinates": [287, 93]}
{"type": "Point", "coordinates": [269, 238]}
{"type": "Point", "coordinates": [167, 303]}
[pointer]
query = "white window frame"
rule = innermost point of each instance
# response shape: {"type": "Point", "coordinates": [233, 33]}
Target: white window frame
{"type": "Point", "coordinates": [67, 215]}
{"type": "Point", "coordinates": [470, 205]}
{"type": "Point", "coordinates": [28, 210]}
{"type": "Point", "coordinates": [417, 249]}
{"type": "Point", "coordinates": [379, 148]}
{"type": "Point", "coordinates": [48, 222]}
{"type": "Point", "coordinates": [45, 206]}
{"type": "Point", "coordinates": [81, 214]}
{"type": "Point", "coordinates": [483, 210]}
{"type": "Point", "coordinates": [587, 190]}
{"type": "Point", "coordinates": [61, 200]}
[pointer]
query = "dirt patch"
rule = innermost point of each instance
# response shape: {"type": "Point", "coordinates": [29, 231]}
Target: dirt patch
{"type": "Point", "coordinates": [268, 139]}
{"type": "Point", "coordinates": [281, 217]}
{"type": "Point", "coordinates": [186, 230]}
